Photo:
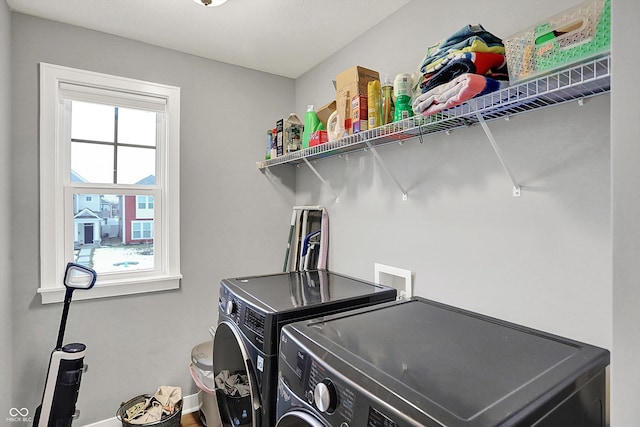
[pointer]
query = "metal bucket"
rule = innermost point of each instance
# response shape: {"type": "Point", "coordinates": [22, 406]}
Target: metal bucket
{"type": "Point", "coordinates": [172, 420]}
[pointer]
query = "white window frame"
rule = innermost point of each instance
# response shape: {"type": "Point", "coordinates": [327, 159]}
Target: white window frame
{"type": "Point", "coordinates": [57, 84]}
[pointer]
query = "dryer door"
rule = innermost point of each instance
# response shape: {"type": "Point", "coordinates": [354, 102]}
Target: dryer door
{"type": "Point", "coordinates": [230, 354]}
{"type": "Point", "coordinates": [297, 418]}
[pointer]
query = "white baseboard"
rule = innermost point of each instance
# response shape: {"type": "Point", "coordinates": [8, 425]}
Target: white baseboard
{"type": "Point", "coordinates": [189, 404]}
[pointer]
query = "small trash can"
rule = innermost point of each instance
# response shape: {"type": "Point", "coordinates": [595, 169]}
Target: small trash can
{"type": "Point", "coordinates": [201, 369]}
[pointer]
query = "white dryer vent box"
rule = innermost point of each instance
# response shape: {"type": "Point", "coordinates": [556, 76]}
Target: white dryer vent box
{"type": "Point", "coordinates": [394, 277]}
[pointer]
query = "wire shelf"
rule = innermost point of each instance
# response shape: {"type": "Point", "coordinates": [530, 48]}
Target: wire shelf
{"type": "Point", "coordinates": [576, 83]}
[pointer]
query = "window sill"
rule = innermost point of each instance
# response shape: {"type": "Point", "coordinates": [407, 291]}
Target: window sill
{"type": "Point", "coordinates": [106, 289]}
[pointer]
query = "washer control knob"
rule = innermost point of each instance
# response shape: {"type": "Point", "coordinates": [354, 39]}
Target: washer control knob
{"type": "Point", "coordinates": [230, 307]}
{"type": "Point", "coordinates": [325, 396]}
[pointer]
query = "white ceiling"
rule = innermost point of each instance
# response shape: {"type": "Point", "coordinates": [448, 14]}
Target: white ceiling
{"type": "Point", "coordinates": [283, 37]}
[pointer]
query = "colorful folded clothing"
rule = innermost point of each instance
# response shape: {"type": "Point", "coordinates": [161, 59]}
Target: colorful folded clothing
{"type": "Point", "coordinates": [462, 63]}
{"type": "Point", "coordinates": [431, 64]}
{"type": "Point", "coordinates": [467, 32]}
{"type": "Point", "coordinates": [448, 73]}
{"type": "Point", "coordinates": [484, 62]}
{"type": "Point", "coordinates": [471, 38]}
{"type": "Point", "coordinates": [455, 92]}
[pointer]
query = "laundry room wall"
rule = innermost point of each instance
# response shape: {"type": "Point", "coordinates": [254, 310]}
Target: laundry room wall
{"type": "Point", "coordinates": [234, 220]}
{"type": "Point", "coordinates": [5, 217]}
{"type": "Point", "coordinates": [625, 152]}
{"type": "Point", "coordinates": [542, 259]}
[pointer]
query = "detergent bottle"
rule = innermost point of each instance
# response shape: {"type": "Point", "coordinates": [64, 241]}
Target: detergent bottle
{"type": "Point", "coordinates": [311, 124]}
{"type": "Point", "coordinates": [274, 144]}
{"type": "Point", "coordinates": [373, 95]}
{"type": "Point", "coordinates": [387, 103]}
{"type": "Point", "coordinates": [293, 129]}
{"type": "Point", "coordinates": [402, 89]}
{"type": "Point", "coordinates": [269, 144]}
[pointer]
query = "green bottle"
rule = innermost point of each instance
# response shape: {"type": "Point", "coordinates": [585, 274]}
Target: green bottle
{"type": "Point", "coordinates": [402, 88]}
{"type": "Point", "coordinates": [311, 124]}
{"type": "Point", "coordinates": [403, 108]}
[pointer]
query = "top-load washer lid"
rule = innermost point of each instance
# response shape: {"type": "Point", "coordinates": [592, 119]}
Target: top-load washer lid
{"type": "Point", "coordinates": [445, 364]}
{"type": "Point", "coordinates": [301, 290]}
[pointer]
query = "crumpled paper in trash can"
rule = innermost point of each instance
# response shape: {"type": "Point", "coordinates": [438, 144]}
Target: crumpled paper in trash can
{"type": "Point", "coordinates": [150, 411]}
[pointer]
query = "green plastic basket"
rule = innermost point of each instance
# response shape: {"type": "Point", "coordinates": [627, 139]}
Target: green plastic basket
{"type": "Point", "coordinates": [571, 37]}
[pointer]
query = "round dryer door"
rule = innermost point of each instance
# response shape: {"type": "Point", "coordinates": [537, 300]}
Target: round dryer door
{"type": "Point", "coordinates": [299, 419]}
{"type": "Point", "coordinates": [231, 362]}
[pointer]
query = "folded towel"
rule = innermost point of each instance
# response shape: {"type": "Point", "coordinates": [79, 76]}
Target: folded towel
{"type": "Point", "coordinates": [433, 63]}
{"type": "Point", "coordinates": [466, 32]}
{"type": "Point", "coordinates": [448, 73]}
{"type": "Point", "coordinates": [471, 38]}
{"type": "Point", "coordinates": [462, 63]}
{"type": "Point", "coordinates": [484, 62]}
{"type": "Point", "coordinates": [455, 92]}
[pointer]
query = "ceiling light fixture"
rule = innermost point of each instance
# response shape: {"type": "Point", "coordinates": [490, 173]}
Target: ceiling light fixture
{"type": "Point", "coordinates": [210, 3]}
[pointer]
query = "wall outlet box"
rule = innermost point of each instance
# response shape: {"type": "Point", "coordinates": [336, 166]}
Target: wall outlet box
{"type": "Point", "coordinates": [395, 277]}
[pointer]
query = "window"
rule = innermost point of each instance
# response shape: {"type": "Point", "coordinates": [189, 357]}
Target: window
{"type": "Point", "coordinates": [142, 230]}
{"type": "Point", "coordinates": [109, 182]}
{"type": "Point", "coordinates": [144, 201]}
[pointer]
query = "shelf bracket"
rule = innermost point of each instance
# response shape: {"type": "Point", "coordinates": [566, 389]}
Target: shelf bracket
{"type": "Point", "coordinates": [379, 159]}
{"type": "Point", "coordinates": [321, 178]}
{"type": "Point", "coordinates": [494, 144]}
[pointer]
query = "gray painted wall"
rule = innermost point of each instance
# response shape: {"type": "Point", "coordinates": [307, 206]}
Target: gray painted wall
{"type": "Point", "coordinates": [548, 259]}
{"type": "Point", "coordinates": [625, 153]}
{"type": "Point", "coordinates": [234, 221]}
{"type": "Point", "coordinates": [6, 368]}
{"type": "Point", "coordinates": [542, 260]}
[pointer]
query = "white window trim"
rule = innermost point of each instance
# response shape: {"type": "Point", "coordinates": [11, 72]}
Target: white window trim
{"type": "Point", "coordinates": [53, 258]}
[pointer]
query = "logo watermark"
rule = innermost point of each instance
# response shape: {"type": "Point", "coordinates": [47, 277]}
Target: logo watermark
{"type": "Point", "coordinates": [19, 415]}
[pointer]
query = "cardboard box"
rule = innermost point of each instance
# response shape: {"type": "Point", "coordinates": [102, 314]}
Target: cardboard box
{"type": "Point", "coordinates": [325, 111]}
{"type": "Point", "coordinates": [352, 83]}
{"type": "Point", "coordinates": [318, 137]}
{"type": "Point", "coordinates": [359, 113]}
{"type": "Point", "coordinates": [356, 79]}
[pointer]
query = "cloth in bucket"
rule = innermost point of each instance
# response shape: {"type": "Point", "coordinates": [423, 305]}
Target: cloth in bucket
{"type": "Point", "coordinates": [236, 384]}
{"type": "Point", "coordinates": [152, 410]}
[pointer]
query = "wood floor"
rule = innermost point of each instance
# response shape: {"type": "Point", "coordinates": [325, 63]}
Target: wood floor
{"type": "Point", "coordinates": [191, 420]}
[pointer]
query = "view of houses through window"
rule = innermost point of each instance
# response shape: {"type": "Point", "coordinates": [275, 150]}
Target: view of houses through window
{"type": "Point", "coordinates": [113, 146]}
{"type": "Point", "coordinates": [111, 233]}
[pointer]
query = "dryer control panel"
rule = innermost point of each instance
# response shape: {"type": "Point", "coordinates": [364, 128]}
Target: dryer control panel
{"type": "Point", "coordinates": [250, 321]}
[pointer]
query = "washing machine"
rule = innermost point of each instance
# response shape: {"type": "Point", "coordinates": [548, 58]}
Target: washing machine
{"type": "Point", "coordinates": [416, 362]}
{"type": "Point", "coordinates": [251, 314]}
